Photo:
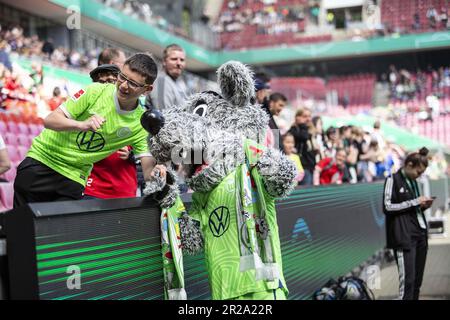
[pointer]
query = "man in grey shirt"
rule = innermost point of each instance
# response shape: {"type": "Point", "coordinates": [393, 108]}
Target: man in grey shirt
{"type": "Point", "coordinates": [169, 88]}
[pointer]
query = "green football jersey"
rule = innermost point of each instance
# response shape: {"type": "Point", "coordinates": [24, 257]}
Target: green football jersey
{"type": "Point", "coordinates": [73, 153]}
{"type": "Point", "coordinates": [216, 212]}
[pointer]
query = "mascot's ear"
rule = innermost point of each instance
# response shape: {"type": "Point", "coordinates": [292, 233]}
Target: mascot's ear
{"type": "Point", "coordinates": [236, 82]}
{"type": "Point", "coordinates": [152, 121]}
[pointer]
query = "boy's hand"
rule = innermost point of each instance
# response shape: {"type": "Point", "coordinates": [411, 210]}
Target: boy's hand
{"type": "Point", "coordinates": [93, 123]}
{"type": "Point", "coordinates": [124, 153]}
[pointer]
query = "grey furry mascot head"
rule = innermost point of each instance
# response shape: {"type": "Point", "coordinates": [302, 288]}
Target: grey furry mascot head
{"type": "Point", "coordinates": [205, 136]}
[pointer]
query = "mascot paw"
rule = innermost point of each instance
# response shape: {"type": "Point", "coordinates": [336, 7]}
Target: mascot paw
{"type": "Point", "coordinates": [163, 191]}
{"type": "Point", "coordinates": [278, 173]}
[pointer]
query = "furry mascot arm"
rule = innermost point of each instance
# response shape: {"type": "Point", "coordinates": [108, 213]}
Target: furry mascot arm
{"type": "Point", "coordinates": [163, 191]}
{"type": "Point", "coordinates": [278, 173]}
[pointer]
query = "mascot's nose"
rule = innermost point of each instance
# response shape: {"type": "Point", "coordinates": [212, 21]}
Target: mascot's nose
{"type": "Point", "coordinates": [152, 121]}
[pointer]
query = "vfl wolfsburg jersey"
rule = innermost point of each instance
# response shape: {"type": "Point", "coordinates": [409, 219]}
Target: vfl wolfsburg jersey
{"type": "Point", "coordinates": [216, 211]}
{"type": "Point", "coordinates": [73, 153]}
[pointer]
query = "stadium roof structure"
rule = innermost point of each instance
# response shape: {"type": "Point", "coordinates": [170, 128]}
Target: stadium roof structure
{"type": "Point", "coordinates": [137, 34]}
{"type": "Point", "coordinates": [406, 139]}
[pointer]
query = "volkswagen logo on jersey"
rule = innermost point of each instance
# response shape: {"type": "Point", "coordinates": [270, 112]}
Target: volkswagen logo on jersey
{"type": "Point", "coordinates": [124, 132]}
{"type": "Point", "coordinates": [219, 221]}
{"type": "Point", "coordinates": [90, 141]}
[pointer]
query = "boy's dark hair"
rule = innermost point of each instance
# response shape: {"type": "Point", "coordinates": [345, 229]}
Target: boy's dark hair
{"type": "Point", "coordinates": [274, 97]}
{"type": "Point", "coordinates": [143, 64]}
{"type": "Point", "coordinates": [418, 158]}
{"type": "Point", "coordinates": [107, 55]}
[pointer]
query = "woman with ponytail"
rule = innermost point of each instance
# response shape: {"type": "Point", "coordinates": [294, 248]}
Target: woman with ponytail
{"type": "Point", "coordinates": [406, 227]}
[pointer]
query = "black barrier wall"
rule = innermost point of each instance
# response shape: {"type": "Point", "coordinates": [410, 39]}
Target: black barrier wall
{"type": "Point", "coordinates": [325, 232]}
{"type": "Point", "coordinates": [111, 249]}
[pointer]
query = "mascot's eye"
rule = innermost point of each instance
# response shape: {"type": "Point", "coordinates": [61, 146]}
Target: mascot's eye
{"type": "Point", "coordinates": [201, 110]}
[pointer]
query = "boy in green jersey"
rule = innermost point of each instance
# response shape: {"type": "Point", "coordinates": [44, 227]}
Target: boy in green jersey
{"type": "Point", "coordinates": [93, 124]}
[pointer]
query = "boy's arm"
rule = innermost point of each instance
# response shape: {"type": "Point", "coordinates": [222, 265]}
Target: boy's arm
{"type": "Point", "coordinates": [59, 121]}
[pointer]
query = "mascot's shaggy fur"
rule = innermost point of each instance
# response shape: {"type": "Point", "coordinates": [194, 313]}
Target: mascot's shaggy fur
{"type": "Point", "coordinates": [235, 182]}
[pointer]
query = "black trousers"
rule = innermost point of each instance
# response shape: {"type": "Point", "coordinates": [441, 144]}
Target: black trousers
{"type": "Point", "coordinates": [411, 265]}
{"type": "Point", "coordinates": [35, 182]}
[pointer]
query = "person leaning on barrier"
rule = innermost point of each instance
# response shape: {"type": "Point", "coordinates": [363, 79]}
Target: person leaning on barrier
{"type": "Point", "coordinates": [406, 226]}
{"type": "Point", "coordinates": [87, 128]}
{"type": "Point", "coordinates": [330, 170]}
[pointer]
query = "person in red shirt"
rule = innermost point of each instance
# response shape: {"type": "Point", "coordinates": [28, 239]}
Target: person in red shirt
{"type": "Point", "coordinates": [113, 177]}
{"type": "Point", "coordinates": [56, 100]}
{"type": "Point", "coordinates": [330, 170]}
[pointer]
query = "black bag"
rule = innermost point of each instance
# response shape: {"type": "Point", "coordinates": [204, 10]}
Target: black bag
{"type": "Point", "coordinates": [353, 288]}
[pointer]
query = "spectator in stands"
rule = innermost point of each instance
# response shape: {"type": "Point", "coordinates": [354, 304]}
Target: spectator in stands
{"type": "Point", "coordinates": [5, 163]}
{"type": "Point", "coordinates": [416, 24]}
{"type": "Point", "coordinates": [103, 182]}
{"type": "Point", "coordinates": [37, 74]}
{"type": "Point", "coordinates": [369, 161]}
{"type": "Point", "coordinates": [332, 142]}
{"type": "Point", "coordinates": [48, 48]}
{"type": "Point", "coordinates": [87, 128]}
{"type": "Point", "coordinates": [105, 73]}
{"type": "Point", "coordinates": [330, 170]}
{"type": "Point", "coordinates": [112, 56]}
{"type": "Point", "coordinates": [377, 134]}
{"type": "Point", "coordinates": [262, 87]}
{"type": "Point", "coordinates": [4, 57]}
{"type": "Point", "coordinates": [319, 136]}
{"type": "Point", "coordinates": [170, 88]}
{"type": "Point", "coordinates": [444, 18]}
{"type": "Point", "coordinates": [289, 150]}
{"type": "Point", "coordinates": [56, 99]}
{"type": "Point", "coordinates": [432, 17]}
{"type": "Point", "coordinates": [303, 131]}
{"type": "Point", "coordinates": [406, 226]}
{"type": "Point", "coordinates": [276, 103]}
{"type": "Point", "coordinates": [347, 143]}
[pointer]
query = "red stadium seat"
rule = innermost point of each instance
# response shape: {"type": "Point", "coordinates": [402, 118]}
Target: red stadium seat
{"type": "Point", "coordinates": [22, 150]}
{"type": "Point", "coordinates": [23, 128]}
{"type": "Point", "coordinates": [10, 138]}
{"type": "Point", "coordinates": [35, 129]}
{"type": "Point", "coordinates": [3, 127]}
{"type": "Point", "coordinates": [13, 153]}
{"type": "Point", "coordinates": [10, 175]}
{"type": "Point", "coordinates": [6, 196]}
{"type": "Point", "coordinates": [12, 127]}
{"type": "Point", "coordinates": [24, 140]}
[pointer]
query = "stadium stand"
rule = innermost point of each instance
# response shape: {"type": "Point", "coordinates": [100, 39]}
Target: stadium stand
{"type": "Point", "coordinates": [406, 16]}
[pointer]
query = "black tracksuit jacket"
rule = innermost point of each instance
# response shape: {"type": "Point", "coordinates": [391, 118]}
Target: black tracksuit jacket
{"type": "Point", "coordinates": [399, 206]}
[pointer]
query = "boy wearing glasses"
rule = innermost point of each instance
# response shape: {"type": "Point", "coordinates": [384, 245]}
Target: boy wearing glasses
{"type": "Point", "coordinates": [87, 128]}
{"type": "Point", "coordinates": [104, 183]}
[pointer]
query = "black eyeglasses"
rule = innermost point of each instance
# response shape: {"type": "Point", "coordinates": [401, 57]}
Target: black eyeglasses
{"type": "Point", "coordinates": [107, 81]}
{"type": "Point", "coordinates": [133, 85]}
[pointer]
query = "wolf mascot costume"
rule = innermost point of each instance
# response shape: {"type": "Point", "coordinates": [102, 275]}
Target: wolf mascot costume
{"type": "Point", "coordinates": [235, 180]}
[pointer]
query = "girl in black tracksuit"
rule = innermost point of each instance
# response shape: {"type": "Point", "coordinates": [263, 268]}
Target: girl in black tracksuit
{"type": "Point", "coordinates": [406, 227]}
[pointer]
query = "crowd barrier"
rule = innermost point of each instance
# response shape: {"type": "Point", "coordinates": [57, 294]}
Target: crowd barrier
{"type": "Point", "coordinates": [110, 249]}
